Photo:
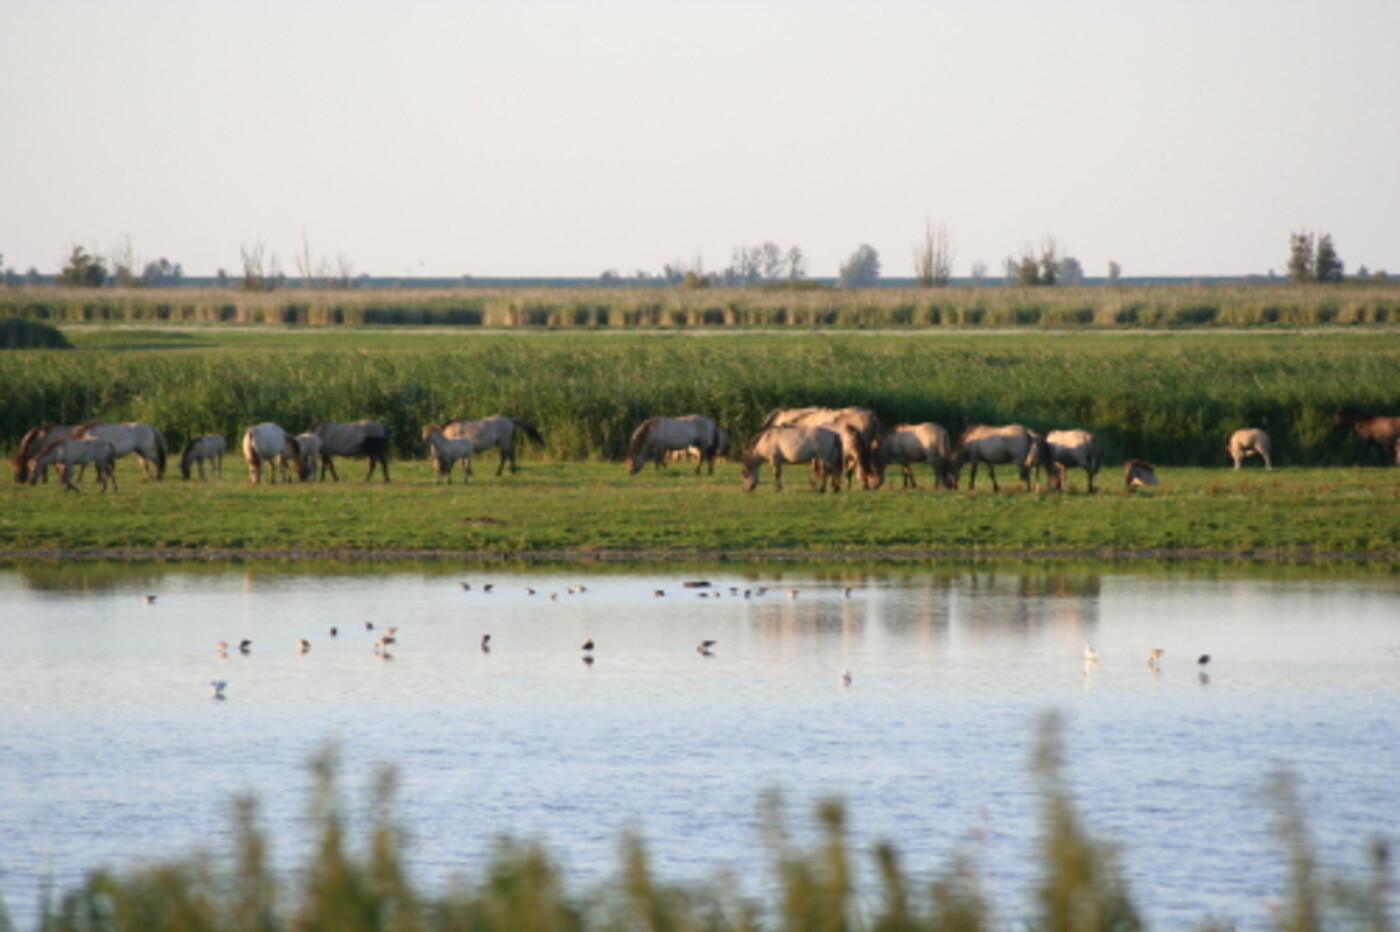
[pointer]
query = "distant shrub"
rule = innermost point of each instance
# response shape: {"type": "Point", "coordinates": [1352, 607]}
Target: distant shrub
{"type": "Point", "coordinates": [18, 333]}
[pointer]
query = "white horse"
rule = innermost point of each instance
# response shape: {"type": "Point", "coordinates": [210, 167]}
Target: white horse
{"type": "Point", "coordinates": [820, 446]}
{"type": "Point", "coordinates": [495, 431]}
{"type": "Point", "coordinates": [147, 442]}
{"type": "Point", "coordinates": [1249, 441]}
{"type": "Point", "coordinates": [264, 443]}
{"type": "Point", "coordinates": [1073, 448]}
{"type": "Point", "coordinates": [675, 433]}
{"type": "Point", "coordinates": [444, 451]}
{"type": "Point", "coordinates": [207, 449]}
{"type": "Point", "coordinates": [907, 444]}
{"type": "Point", "coordinates": [65, 453]}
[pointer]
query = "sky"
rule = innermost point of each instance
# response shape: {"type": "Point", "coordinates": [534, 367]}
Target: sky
{"type": "Point", "coordinates": [543, 138]}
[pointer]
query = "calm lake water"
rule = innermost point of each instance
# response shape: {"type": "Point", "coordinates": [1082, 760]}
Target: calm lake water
{"type": "Point", "coordinates": [112, 749]}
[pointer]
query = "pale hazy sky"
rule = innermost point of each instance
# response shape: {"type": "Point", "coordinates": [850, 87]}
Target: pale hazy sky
{"type": "Point", "coordinates": [565, 138]}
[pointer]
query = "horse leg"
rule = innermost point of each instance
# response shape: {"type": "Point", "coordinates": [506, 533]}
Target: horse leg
{"type": "Point", "coordinates": [328, 464]}
{"type": "Point", "coordinates": [777, 475]}
{"type": "Point", "coordinates": [505, 455]}
{"type": "Point", "coordinates": [991, 471]}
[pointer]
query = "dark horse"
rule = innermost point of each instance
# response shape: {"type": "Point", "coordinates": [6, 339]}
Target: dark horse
{"type": "Point", "coordinates": [1374, 431]}
{"type": "Point", "coordinates": [369, 439]}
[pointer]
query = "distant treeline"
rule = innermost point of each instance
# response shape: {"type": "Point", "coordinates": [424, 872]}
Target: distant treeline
{"type": "Point", "coordinates": [1172, 398]}
{"type": "Point", "coordinates": [1177, 306]}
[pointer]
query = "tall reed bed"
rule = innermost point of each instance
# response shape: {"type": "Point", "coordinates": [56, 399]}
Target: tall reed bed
{"type": "Point", "coordinates": [1153, 307]}
{"type": "Point", "coordinates": [1173, 398]}
{"type": "Point", "coordinates": [366, 884]}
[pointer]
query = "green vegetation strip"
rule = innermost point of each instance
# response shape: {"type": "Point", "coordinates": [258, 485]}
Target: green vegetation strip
{"type": "Point", "coordinates": [595, 511]}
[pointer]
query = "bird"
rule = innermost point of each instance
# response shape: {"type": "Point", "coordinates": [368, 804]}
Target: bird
{"type": "Point", "coordinates": [148, 599]}
{"type": "Point", "coordinates": [369, 626]}
{"type": "Point", "coordinates": [245, 645]}
{"type": "Point", "coordinates": [486, 588]}
{"type": "Point", "coordinates": [588, 661]}
{"type": "Point", "coordinates": [334, 631]}
{"type": "Point", "coordinates": [529, 591]}
{"type": "Point", "coordinates": [792, 593]}
{"type": "Point", "coordinates": [486, 642]}
{"type": "Point", "coordinates": [381, 646]}
{"type": "Point", "coordinates": [217, 687]}
{"type": "Point", "coordinates": [845, 677]}
{"type": "Point", "coordinates": [588, 644]}
{"type": "Point", "coordinates": [466, 586]}
{"type": "Point", "coordinates": [392, 630]}
{"type": "Point", "coordinates": [303, 645]}
{"type": "Point", "coordinates": [658, 593]}
{"type": "Point", "coordinates": [1203, 660]}
{"type": "Point", "coordinates": [705, 647]}
{"type": "Point", "coordinates": [1154, 658]}
{"type": "Point", "coordinates": [848, 592]}
{"type": "Point", "coordinates": [1090, 655]}
{"type": "Point", "coordinates": [222, 648]}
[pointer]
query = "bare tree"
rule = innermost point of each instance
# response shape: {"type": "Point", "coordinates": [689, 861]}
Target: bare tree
{"type": "Point", "coordinates": [260, 273]}
{"type": "Point", "coordinates": [126, 265]}
{"type": "Point", "coordinates": [796, 264]}
{"type": "Point", "coordinates": [933, 258]}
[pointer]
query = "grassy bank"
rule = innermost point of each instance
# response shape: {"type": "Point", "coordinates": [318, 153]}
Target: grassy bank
{"type": "Point", "coordinates": [366, 883]}
{"type": "Point", "coordinates": [597, 511]}
{"type": "Point", "coordinates": [1158, 306]}
{"type": "Point", "coordinates": [1172, 398]}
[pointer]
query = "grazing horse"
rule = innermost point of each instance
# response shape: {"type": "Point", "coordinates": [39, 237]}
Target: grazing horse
{"type": "Point", "coordinates": [495, 431]}
{"type": "Point", "coordinates": [1249, 441]}
{"type": "Point", "coordinates": [67, 452]}
{"type": "Point", "coordinates": [1072, 448]}
{"type": "Point", "coordinates": [675, 433]}
{"type": "Point", "coordinates": [34, 440]}
{"type": "Point", "coordinates": [264, 443]}
{"type": "Point", "coordinates": [308, 449]}
{"type": "Point", "coordinates": [860, 453]}
{"type": "Point", "coordinates": [369, 439]}
{"type": "Point", "coordinates": [1381, 432]}
{"type": "Point", "coordinates": [778, 445]}
{"type": "Point", "coordinates": [210, 448]}
{"type": "Point", "coordinates": [444, 451]}
{"type": "Point", "coordinates": [147, 442]}
{"type": "Point", "coordinates": [906, 444]}
{"type": "Point", "coordinates": [1008, 445]}
{"type": "Point", "coordinates": [1138, 474]}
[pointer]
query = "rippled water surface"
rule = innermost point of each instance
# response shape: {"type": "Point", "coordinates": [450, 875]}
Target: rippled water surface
{"type": "Point", "coordinates": [113, 750]}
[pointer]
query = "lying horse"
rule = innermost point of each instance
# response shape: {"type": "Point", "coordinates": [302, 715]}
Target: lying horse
{"type": "Point", "coordinates": [34, 440]}
{"type": "Point", "coordinates": [820, 446]}
{"type": "Point", "coordinates": [999, 446]}
{"type": "Point", "coordinates": [67, 452]}
{"type": "Point", "coordinates": [675, 433]}
{"type": "Point", "coordinates": [444, 451]}
{"type": "Point", "coordinates": [147, 442]}
{"type": "Point", "coordinates": [1249, 441]}
{"type": "Point", "coordinates": [207, 449]}
{"type": "Point", "coordinates": [369, 439]}
{"type": "Point", "coordinates": [495, 431]}
{"type": "Point", "coordinates": [1138, 474]}
{"type": "Point", "coordinates": [1375, 431]}
{"type": "Point", "coordinates": [1072, 448]}
{"type": "Point", "coordinates": [860, 458]}
{"type": "Point", "coordinates": [264, 443]}
{"type": "Point", "coordinates": [906, 444]}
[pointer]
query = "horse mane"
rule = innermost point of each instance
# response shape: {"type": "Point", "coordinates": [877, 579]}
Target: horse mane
{"type": "Point", "coordinates": [81, 430]}
{"type": "Point", "coordinates": [640, 435]}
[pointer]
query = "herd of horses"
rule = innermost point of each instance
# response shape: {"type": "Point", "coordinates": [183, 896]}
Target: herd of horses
{"type": "Point", "coordinates": [842, 445]}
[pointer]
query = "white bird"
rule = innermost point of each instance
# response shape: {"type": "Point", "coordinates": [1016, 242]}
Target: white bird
{"type": "Point", "coordinates": [1154, 658]}
{"type": "Point", "coordinates": [216, 687]}
{"type": "Point", "coordinates": [845, 677]}
{"type": "Point", "coordinates": [1090, 655]}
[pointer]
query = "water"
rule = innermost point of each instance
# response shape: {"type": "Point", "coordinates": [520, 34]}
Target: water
{"type": "Point", "coordinates": [113, 752]}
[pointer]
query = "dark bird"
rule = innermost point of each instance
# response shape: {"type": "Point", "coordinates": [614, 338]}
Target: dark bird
{"type": "Point", "coordinates": [466, 586]}
{"type": "Point", "coordinates": [588, 644]}
{"type": "Point", "coordinates": [334, 631]}
{"type": "Point", "coordinates": [486, 588]}
{"type": "Point", "coordinates": [148, 599]}
{"type": "Point", "coordinates": [658, 593]}
{"type": "Point", "coordinates": [245, 645]}
{"type": "Point", "coordinates": [369, 626]}
{"type": "Point", "coordinates": [217, 687]}
{"type": "Point", "coordinates": [588, 660]}
{"type": "Point", "coordinates": [303, 645]}
{"type": "Point", "coordinates": [486, 642]}
{"type": "Point", "coordinates": [705, 647]}
{"type": "Point", "coordinates": [1203, 659]}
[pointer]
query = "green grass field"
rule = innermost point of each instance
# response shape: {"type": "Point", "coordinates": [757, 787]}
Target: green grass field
{"type": "Point", "coordinates": [552, 510]}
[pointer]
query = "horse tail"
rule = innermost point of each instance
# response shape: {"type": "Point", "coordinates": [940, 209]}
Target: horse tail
{"type": "Point", "coordinates": [528, 429]}
{"type": "Point", "coordinates": [187, 457]}
{"type": "Point", "coordinates": [162, 453]}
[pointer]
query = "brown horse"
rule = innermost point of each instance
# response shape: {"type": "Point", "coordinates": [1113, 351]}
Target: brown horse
{"type": "Point", "coordinates": [860, 452]}
{"type": "Point", "coordinates": [1011, 444]}
{"type": "Point", "coordinates": [1077, 448]}
{"type": "Point", "coordinates": [907, 444]}
{"type": "Point", "coordinates": [1381, 432]}
{"type": "Point", "coordinates": [778, 445]}
{"type": "Point", "coordinates": [34, 440]}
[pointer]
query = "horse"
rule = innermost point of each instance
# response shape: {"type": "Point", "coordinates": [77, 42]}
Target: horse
{"type": "Point", "coordinates": [1249, 441]}
{"type": "Point", "coordinates": [67, 452]}
{"type": "Point", "coordinates": [1011, 444]}
{"type": "Point", "coordinates": [444, 451]}
{"type": "Point", "coordinates": [495, 431]}
{"type": "Point", "coordinates": [308, 449]}
{"type": "Point", "coordinates": [674, 433]}
{"type": "Point", "coordinates": [919, 443]}
{"type": "Point", "coordinates": [369, 439]}
{"type": "Point", "coordinates": [1374, 431]}
{"type": "Point", "coordinates": [778, 445]}
{"type": "Point", "coordinates": [207, 449]}
{"type": "Point", "coordinates": [147, 442]}
{"type": "Point", "coordinates": [861, 453]}
{"type": "Point", "coordinates": [1072, 448]}
{"type": "Point", "coordinates": [1138, 474]}
{"type": "Point", "coordinates": [264, 443]}
{"type": "Point", "coordinates": [34, 440]}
